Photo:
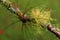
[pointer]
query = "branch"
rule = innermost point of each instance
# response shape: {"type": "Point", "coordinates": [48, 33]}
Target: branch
{"type": "Point", "coordinates": [53, 30]}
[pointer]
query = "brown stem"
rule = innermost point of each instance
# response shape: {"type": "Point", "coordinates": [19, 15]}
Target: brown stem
{"type": "Point", "coordinates": [53, 30]}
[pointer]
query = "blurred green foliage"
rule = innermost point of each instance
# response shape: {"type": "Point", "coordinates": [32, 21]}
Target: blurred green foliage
{"type": "Point", "coordinates": [29, 32]}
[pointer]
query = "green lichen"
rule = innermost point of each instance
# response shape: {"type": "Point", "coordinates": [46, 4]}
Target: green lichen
{"type": "Point", "coordinates": [41, 16]}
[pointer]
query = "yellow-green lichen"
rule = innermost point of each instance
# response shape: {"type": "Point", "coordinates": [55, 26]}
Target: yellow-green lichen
{"type": "Point", "coordinates": [41, 16]}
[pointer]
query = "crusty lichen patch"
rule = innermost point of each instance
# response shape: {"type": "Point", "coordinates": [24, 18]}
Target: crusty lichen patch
{"type": "Point", "coordinates": [41, 16]}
